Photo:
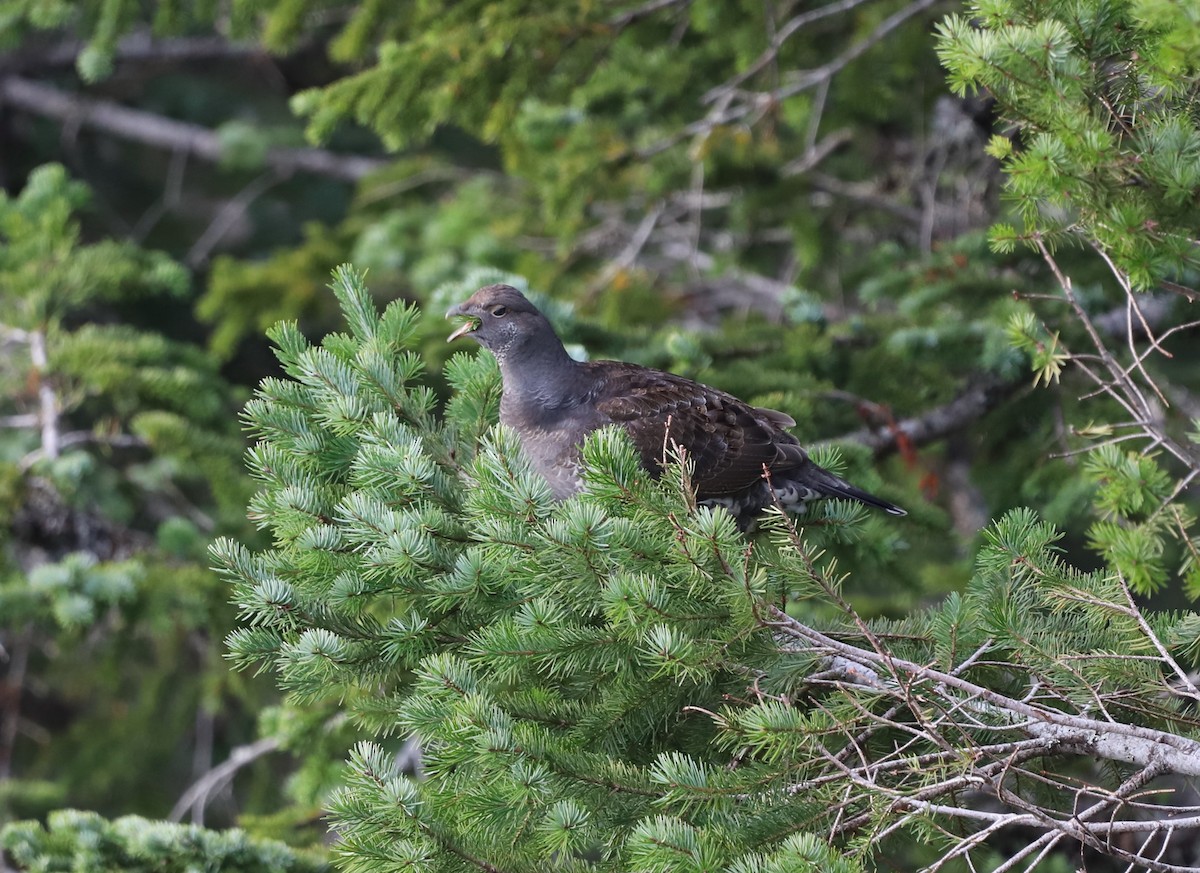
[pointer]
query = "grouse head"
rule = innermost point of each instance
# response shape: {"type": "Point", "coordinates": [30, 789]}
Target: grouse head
{"type": "Point", "coordinates": [501, 320]}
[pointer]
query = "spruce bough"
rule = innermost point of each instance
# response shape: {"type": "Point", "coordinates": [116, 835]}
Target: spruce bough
{"type": "Point", "coordinates": [607, 683]}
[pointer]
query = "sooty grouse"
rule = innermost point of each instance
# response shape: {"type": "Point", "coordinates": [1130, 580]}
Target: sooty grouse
{"type": "Point", "coordinates": [741, 452]}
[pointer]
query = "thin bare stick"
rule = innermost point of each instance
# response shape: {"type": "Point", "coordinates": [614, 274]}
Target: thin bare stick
{"type": "Point", "coordinates": [197, 795]}
{"type": "Point", "coordinates": [229, 214]}
{"type": "Point", "coordinates": [784, 33]}
{"type": "Point", "coordinates": [47, 399]}
{"type": "Point", "coordinates": [1136, 614]}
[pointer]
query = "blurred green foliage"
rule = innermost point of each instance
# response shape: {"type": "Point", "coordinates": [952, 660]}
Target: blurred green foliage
{"type": "Point", "coordinates": [74, 840]}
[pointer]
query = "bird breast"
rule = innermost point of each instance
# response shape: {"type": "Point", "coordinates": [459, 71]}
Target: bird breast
{"type": "Point", "coordinates": [551, 440]}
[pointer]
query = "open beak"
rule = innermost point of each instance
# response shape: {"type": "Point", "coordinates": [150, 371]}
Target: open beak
{"type": "Point", "coordinates": [469, 326]}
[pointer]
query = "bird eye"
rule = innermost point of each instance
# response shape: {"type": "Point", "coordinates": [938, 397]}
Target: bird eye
{"type": "Point", "coordinates": [499, 311]}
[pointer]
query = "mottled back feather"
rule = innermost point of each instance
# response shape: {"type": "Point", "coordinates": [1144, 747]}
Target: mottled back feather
{"type": "Point", "coordinates": [727, 440]}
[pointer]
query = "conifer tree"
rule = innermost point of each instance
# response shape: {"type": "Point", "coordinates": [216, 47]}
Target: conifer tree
{"type": "Point", "coordinates": [1102, 154]}
{"type": "Point", "coordinates": [622, 681]}
{"type": "Point", "coordinates": [119, 461]}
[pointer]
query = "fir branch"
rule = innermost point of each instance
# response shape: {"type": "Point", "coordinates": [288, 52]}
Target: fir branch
{"type": "Point", "coordinates": [154, 130]}
{"type": "Point", "coordinates": [139, 48]}
{"type": "Point", "coordinates": [1126, 743]}
{"type": "Point", "coordinates": [933, 424]}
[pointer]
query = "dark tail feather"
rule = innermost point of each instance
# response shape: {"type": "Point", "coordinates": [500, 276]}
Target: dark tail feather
{"type": "Point", "coordinates": [832, 486]}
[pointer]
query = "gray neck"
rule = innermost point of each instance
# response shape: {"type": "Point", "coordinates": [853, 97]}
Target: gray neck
{"type": "Point", "coordinates": [539, 373]}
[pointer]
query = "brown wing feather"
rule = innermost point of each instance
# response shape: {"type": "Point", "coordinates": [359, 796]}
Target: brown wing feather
{"type": "Point", "coordinates": [728, 441]}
